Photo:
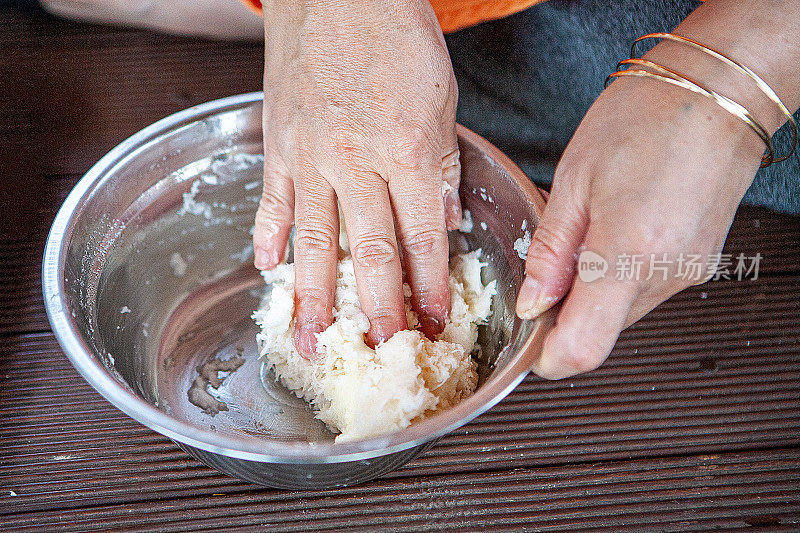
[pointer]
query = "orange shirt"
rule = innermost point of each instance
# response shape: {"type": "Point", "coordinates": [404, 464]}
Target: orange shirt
{"type": "Point", "coordinates": [456, 14]}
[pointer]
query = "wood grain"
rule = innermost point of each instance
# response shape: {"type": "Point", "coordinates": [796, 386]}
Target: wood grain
{"type": "Point", "coordinates": [670, 494]}
{"type": "Point", "coordinates": [645, 403]}
{"type": "Point", "coordinates": [693, 423]}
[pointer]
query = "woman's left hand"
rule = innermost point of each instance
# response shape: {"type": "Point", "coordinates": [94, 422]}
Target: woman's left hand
{"type": "Point", "coordinates": [653, 171]}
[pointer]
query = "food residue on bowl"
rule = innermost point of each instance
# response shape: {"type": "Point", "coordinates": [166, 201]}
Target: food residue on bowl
{"type": "Point", "coordinates": [208, 375]}
{"type": "Point", "coordinates": [466, 222]}
{"type": "Point", "coordinates": [178, 264]}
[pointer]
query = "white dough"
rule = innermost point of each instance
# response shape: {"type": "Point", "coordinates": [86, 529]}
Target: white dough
{"type": "Point", "coordinates": [364, 392]}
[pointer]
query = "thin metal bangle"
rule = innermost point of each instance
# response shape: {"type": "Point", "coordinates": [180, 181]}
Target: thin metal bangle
{"type": "Point", "coordinates": [726, 103]}
{"type": "Point", "coordinates": [764, 86]}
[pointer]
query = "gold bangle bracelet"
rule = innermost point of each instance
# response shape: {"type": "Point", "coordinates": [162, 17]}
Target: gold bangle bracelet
{"type": "Point", "coordinates": [762, 85]}
{"type": "Point", "coordinates": [726, 103]}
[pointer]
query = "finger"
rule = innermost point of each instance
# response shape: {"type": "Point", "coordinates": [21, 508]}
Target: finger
{"type": "Point", "coordinates": [589, 322]}
{"type": "Point", "coordinates": [550, 264]}
{"type": "Point", "coordinates": [451, 168]}
{"type": "Point", "coordinates": [371, 235]}
{"type": "Point", "coordinates": [420, 215]}
{"type": "Point", "coordinates": [275, 213]}
{"type": "Point", "coordinates": [315, 257]}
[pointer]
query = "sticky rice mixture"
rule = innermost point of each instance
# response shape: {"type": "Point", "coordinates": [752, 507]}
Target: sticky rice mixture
{"type": "Point", "coordinates": [363, 392]}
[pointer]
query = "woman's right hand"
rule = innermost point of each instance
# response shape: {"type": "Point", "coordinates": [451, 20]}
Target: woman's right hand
{"type": "Point", "coordinates": [359, 107]}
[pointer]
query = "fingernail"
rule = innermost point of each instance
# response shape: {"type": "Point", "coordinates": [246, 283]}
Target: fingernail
{"type": "Point", "coordinates": [431, 326]}
{"type": "Point", "coordinates": [529, 300]}
{"type": "Point", "coordinates": [306, 339]}
{"type": "Point", "coordinates": [265, 260]}
{"type": "Point", "coordinates": [261, 258]}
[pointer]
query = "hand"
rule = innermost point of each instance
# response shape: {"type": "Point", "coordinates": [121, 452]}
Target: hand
{"type": "Point", "coordinates": [652, 169]}
{"type": "Point", "coordinates": [359, 107]}
{"type": "Point", "coordinates": [655, 169]}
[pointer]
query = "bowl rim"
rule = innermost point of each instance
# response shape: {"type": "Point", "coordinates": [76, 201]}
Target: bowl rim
{"type": "Point", "coordinates": [245, 446]}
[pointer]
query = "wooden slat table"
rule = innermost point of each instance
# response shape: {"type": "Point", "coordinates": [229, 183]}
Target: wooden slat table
{"type": "Point", "coordinates": [694, 421]}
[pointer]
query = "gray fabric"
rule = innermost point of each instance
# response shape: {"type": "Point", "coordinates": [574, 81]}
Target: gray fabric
{"type": "Point", "coordinates": [526, 81]}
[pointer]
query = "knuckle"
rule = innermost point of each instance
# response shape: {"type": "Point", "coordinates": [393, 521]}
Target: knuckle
{"type": "Point", "coordinates": [346, 144]}
{"type": "Point", "coordinates": [663, 235]}
{"type": "Point", "coordinates": [265, 226]}
{"type": "Point", "coordinates": [410, 147]}
{"type": "Point", "coordinates": [452, 159]}
{"type": "Point", "coordinates": [584, 359]}
{"type": "Point", "coordinates": [407, 154]}
{"type": "Point", "coordinates": [575, 355]}
{"type": "Point", "coordinates": [452, 173]}
{"type": "Point", "coordinates": [269, 224]}
{"type": "Point", "coordinates": [343, 147]}
{"type": "Point", "coordinates": [546, 244]}
{"type": "Point", "coordinates": [381, 313]}
{"type": "Point", "coordinates": [274, 205]}
{"type": "Point", "coordinates": [385, 322]}
{"type": "Point", "coordinates": [374, 251]}
{"type": "Point", "coordinates": [318, 238]}
{"type": "Point", "coordinates": [452, 176]}
{"type": "Point", "coordinates": [653, 238]}
{"type": "Point", "coordinates": [425, 242]}
{"type": "Point", "coordinates": [312, 302]}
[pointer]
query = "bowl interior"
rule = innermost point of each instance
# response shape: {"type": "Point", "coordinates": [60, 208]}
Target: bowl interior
{"type": "Point", "coordinates": [158, 274]}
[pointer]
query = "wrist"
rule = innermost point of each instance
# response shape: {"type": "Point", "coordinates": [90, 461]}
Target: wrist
{"type": "Point", "coordinates": [681, 117]}
{"type": "Point", "coordinates": [760, 34]}
{"type": "Point", "coordinates": [722, 78]}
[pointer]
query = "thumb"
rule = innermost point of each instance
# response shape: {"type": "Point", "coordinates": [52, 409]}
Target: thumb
{"type": "Point", "coordinates": [550, 265]}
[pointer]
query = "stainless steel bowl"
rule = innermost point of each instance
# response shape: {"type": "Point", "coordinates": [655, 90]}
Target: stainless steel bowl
{"type": "Point", "coordinates": [148, 274]}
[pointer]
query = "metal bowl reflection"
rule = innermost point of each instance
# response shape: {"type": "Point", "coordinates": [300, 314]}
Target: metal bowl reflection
{"type": "Point", "coordinates": [148, 274]}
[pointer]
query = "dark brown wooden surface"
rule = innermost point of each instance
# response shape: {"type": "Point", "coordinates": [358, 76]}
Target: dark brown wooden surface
{"type": "Point", "coordinates": [694, 422]}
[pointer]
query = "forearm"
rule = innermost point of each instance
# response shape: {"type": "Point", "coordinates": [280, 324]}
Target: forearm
{"type": "Point", "coordinates": [228, 19]}
{"type": "Point", "coordinates": [764, 35]}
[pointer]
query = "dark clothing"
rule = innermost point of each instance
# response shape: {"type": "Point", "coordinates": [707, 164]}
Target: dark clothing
{"type": "Point", "coordinates": [526, 81]}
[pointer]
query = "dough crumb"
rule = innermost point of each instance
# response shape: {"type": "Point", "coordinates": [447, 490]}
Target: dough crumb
{"type": "Point", "coordinates": [363, 392]}
{"type": "Point", "coordinates": [522, 244]}
{"type": "Point", "coordinates": [466, 222]}
{"type": "Point", "coordinates": [178, 264]}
